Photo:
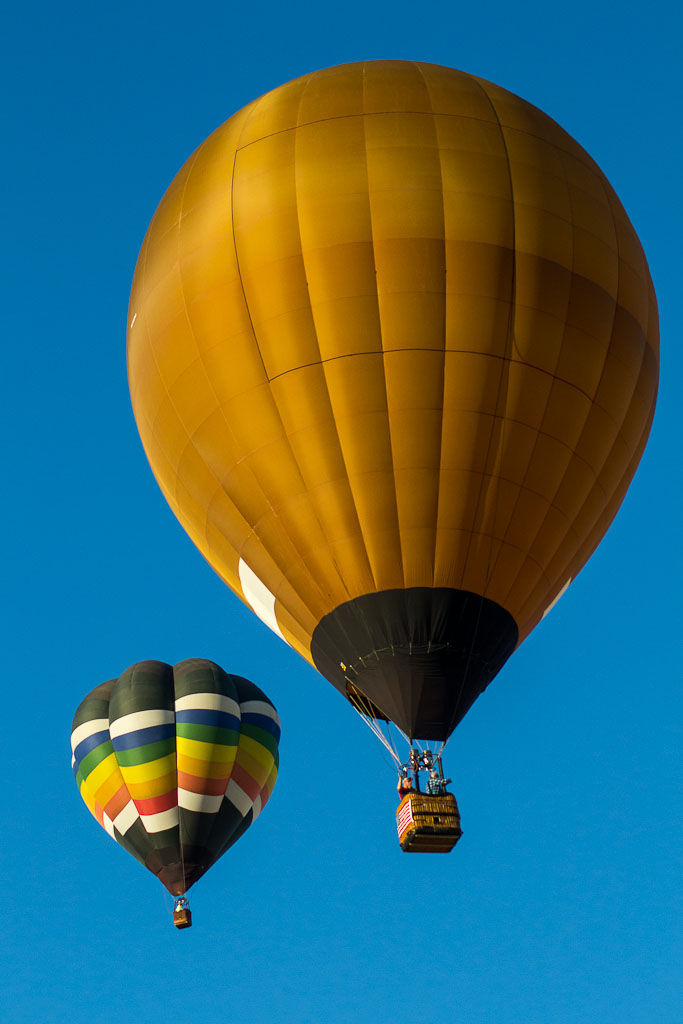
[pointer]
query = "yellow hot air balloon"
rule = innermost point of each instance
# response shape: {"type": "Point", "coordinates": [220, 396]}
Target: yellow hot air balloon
{"type": "Point", "coordinates": [393, 356]}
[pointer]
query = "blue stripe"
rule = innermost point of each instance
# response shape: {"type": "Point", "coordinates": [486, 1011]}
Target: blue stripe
{"type": "Point", "coordinates": [141, 737]}
{"type": "Point", "coordinates": [263, 722]}
{"type": "Point", "coordinates": [208, 716]}
{"type": "Point", "coordinates": [89, 743]}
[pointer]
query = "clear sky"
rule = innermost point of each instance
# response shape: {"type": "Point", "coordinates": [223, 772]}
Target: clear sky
{"type": "Point", "coordinates": [562, 902]}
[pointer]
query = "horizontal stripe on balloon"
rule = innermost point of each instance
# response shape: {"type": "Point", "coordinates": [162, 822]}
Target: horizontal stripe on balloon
{"type": "Point", "coordinates": [205, 769]}
{"type": "Point", "coordinates": [96, 757]}
{"type": "Point", "coordinates": [106, 788]}
{"type": "Point", "coordinates": [212, 787]}
{"type": "Point", "coordinates": [86, 729]}
{"type": "Point", "coordinates": [263, 722]}
{"type": "Point", "coordinates": [155, 804]}
{"type": "Point", "coordinates": [143, 737]}
{"type": "Point", "coordinates": [140, 720]}
{"type": "Point", "coordinates": [246, 782]}
{"type": "Point", "coordinates": [208, 734]}
{"type": "Point", "coordinates": [215, 701]}
{"type": "Point", "coordinates": [260, 736]}
{"type": "Point", "coordinates": [207, 716]}
{"type": "Point", "coordinates": [150, 770]}
{"type": "Point", "coordinates": [116, 802]}
{"type": "Point", "coordinates": [125, 818]}
{"type": "Point", "coordinates": [88, 799]}
{"type": "Point", "coordinates": [259, 707]}
{"type": "Point", "coordinates": [256, 771]}
{"type": "Point", "coordinates": [202, 783]}
{"type": "Point", "coordinates": [90, 743]}
{"type": "Point", "coordinates": [160, 822]}
{"type": "Point", "coordinates": [108, 825]}
{"type": "Point", "coordinates": [152, 787]}
{"type": "Point", "coordinates": [150, 752]}
{"type": "Point", "coordinates": [256, 751]}
{"type": "Point", "coordinates": [200, 751]}
{"type": "Point", "coordinates": [235, 795]}
{"type": "Point", "coordinates": [201, 803]}
{"type": "Point", "coordinates": [100, 771]}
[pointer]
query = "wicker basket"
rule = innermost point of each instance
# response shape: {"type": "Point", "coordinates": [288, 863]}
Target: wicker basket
{"type": "Point", "coordinates": [428, 824]}
{"type": "Point", "coordinates": [182, 918]}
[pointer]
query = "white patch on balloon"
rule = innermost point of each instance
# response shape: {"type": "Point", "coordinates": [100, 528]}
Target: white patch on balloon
{"type": "Point", "coordinates": [259, 598]}
{"type": "Point", "coordinates": [553, 603]}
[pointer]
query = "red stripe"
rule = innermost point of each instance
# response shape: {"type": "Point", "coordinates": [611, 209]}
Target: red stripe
{"type": "Point", "coordinates": [245, 782]}
{"type": "Point", "coordinates": [155, 804]}
{"type": "Point", "coordinates": [212, 787]}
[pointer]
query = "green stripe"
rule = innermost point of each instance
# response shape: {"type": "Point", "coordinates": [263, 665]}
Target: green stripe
{"type": "Point", "coordinates": [262, 736]}
{"type": "Point", "coordinates": [146, 753]}
{"type": "Point", "coordinates": [207, 733]}
{"type": "Point", "coordinates": [94, 757]}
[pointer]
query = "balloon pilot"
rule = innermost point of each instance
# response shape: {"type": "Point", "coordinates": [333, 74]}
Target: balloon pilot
{"type": "Point", "coordinates": [427, 821]}
{"type": "Point", "coordinates": [422, 761]}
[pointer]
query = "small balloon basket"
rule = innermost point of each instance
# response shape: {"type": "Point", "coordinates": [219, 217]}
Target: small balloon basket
{"type": "Point", "coordinates": [428, 824]}
{"type": "Point", "coordinates": [182, 915]}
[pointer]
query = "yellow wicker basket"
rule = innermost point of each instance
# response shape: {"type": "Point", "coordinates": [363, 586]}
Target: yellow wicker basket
{"type": "Point", "coordinates": [428, 824]}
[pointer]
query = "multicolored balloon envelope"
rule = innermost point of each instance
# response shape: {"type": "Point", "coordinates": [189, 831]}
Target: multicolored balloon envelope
{"type": "Point", "coordinates": [393, 357]}
{"type": "Point", "coordinates": [176, 762]}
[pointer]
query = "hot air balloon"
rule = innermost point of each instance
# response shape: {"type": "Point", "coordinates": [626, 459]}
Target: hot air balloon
{"type": "Point", "coordinates": [393, 357]}
{"type": "Point", "coordinates": [176, 763]}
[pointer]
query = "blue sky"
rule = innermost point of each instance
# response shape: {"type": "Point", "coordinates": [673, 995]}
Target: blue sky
{"type": "Point", "coordinates": [561, 905]}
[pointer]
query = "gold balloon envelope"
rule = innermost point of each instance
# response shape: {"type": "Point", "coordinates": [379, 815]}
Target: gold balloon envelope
{"type": "Point", "coordinates": [393, 356]}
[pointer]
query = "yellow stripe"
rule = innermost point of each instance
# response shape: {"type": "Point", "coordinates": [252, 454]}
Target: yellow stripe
{"type": "Point", "coordinates": [153, 787]}
{"type": "Point", "coordinates": [152, 770]}
{"type": "Point", "coordinates": [256, 750]}
{"type": "Point", "coordinates": [99, 775]}
{"type": "Point", "coordinates": [89, 801]}
{"type": "Point", "coordinates": [206, 769]}
{"type": "Point", "coordinates": [214, 752]}
{"type": "Point", "coordinates": [109, 786]}
{"type": "Point", "coordinates": [255, 767]}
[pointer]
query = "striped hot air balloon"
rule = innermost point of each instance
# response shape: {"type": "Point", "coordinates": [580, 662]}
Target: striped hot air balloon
{"type": "Point", "coordinates": [175, 762]}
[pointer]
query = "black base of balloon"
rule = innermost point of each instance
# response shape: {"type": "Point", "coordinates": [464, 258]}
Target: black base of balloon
{"type": "Point", "coordinates": [421, 656]}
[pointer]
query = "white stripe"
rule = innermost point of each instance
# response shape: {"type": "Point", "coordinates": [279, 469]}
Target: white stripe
{"type": "Point", "coordinates": [135, 316]}
{"type": "Point", "coordinates": [208, 702]}
{"type": "Point", "coordinates": [238, 798]}
{"type": "Point", "coordinates": [125, 818]}
{"type": "Point", "coordinates": [259, 707]}
{"type": "Point", "coordinates": [108, 825]}
{"type": "Point", "coordinates": [81, 732]}
{"type": "Point", "coordinates": [257, 807]}
{"type": "Point", "coordinates": [161, 821]}
{"type": "Point", "coordinates": [553, 603]}
{"type": "Point", "coordinates": [203, 802]}
{"type": "Point", "coordinates": [140, 720]}
{"type": "Point", "coordinates": [259, 597]}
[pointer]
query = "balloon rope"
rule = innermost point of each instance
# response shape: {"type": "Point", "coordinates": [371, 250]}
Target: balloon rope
{"type": "Point", "coordinates": [390, 737]}
{"type": "Point", "coordinates": [372, 725]}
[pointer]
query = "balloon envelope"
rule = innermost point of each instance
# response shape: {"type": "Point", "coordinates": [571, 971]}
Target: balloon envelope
{"type": "Point", "coordinates": [393, 356]}
{"type": "Point", "coordinates": [175, 763]}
